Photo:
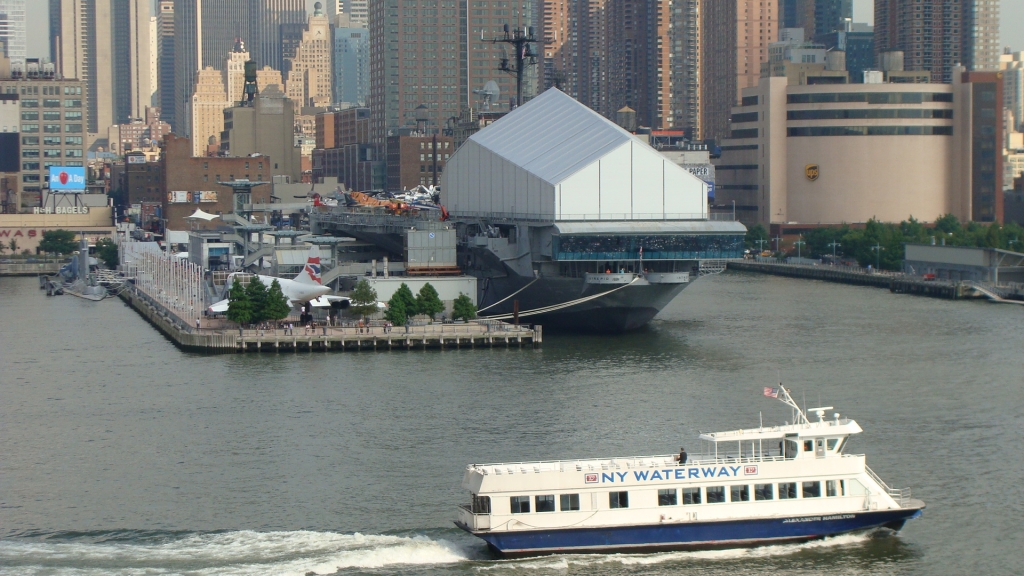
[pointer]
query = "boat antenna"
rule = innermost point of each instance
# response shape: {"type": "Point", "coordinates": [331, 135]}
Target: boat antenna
{"type": "Point", "coordinates": [787, 399]}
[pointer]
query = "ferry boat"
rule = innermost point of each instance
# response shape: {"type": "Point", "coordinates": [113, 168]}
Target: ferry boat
{"type": "Point", "coordinates": [750, 487]}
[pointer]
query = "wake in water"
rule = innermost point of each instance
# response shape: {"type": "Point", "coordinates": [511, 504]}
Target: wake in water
{"type": "Point", "coordinates": [243, 553]}
{"type": "Point", "coordinates": [301, 553]}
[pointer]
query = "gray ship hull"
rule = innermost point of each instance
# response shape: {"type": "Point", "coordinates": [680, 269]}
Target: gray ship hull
{"type": "Point", "coordinates": [622, 310]}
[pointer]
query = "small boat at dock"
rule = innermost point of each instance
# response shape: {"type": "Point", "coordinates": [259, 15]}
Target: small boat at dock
{"type": "Point", "coordinates": [749, 487]}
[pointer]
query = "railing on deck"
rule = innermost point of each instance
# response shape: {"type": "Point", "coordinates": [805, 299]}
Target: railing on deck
{"type": "Point", "coordinates": [631, 462]}
{"type": "Point", "coordinates": [900, 495]}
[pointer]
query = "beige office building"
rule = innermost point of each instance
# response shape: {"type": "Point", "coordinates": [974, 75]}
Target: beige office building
{"type": "Point", "coordinates": [312, 72]}
{"type": "Point", "coordinates": [208, 103]}
{"type": "Point", "coordinates": [847, 153]}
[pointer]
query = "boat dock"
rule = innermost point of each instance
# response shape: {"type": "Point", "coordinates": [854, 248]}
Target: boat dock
{"type": "Point", "coordinates": [474, 334]}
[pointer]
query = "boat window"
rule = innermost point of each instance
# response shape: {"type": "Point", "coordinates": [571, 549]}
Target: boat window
{"type": "Point", "coordinates": [691, 496]}
{"type": "Point", "coordinates": [808, 445]}
{"type": "Point", "coordinates": [842, 444]}
{"type": "Point", "coordinates": [787, 490]}
{"type": "Point", "coordinates": [481, 504]}
{"type": "Point", "coordinates": [791, 449]}
{"type": "Point", "coordinates": [618, 499]}
{"type": "Point", "coordinates": [739, 493]}
{"type": "Point", "coordinates": [520, 504]}
{"type": "Point", "coordinates": [545, 503]}
{"type": "Point", "coordinates": [856, 488]}
{"type": "Point", "coordinates": [763, 492]}
{"type": "Point", "coordinates": [716, 494]}
{"type": "Point", "coordinates": [667, 497]}
{"type": "Point", "coordinates": [832, 488]}
{"type": "Point", "coordinates": [812, 489]}
{"type": "Point", "coordinates": [569, 502]}
{"type": "Point", "coordinates": [832, 442]}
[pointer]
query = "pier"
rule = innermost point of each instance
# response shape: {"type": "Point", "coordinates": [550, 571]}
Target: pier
{"type": "Point", "coordinates": [897, 283]}
{"type": "Point", "coordinates": [327, 338]}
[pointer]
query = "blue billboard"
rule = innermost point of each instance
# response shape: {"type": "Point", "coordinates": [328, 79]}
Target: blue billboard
{"type": "Point", "coordinates": [64, 179]}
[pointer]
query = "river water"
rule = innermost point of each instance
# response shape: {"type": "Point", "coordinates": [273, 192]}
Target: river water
{"type": "Point", "coordinates": [120, 454]}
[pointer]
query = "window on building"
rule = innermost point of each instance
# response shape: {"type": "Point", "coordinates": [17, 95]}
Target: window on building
{"type": "Point", "coordinates": [716, 494]}
{"type": "Point", "coordinates": [50, 103]}
{"type": "Point", "coordinates": [739, 493]}
{"type": "Point", "coordinates": [569, 502]}
{"type": "Point", "coordinates": [787, 490]}
{"type": "Point", "coordinates": [68, 115]}
{"type": "Point", "coordinates": [75, 128]}
{"type": "Point", "coordinates": [668, 497]}
{"type": "Point", "coordinates": [206, 178]}
{"type": "Point", "coordinates": [30, 166]}
{"type": "Point", "coordinates": [30, 140]}
{"type": "Point", "coordinates": [30, 128]}
{"type": "Point", "coordinates": [520, 504]}
{"type": "Point", "coordinates": [77, 153]}
{"type": "Point", "coordinates": [51, 128]}
{"type": "Point", "coordinates": [246, 165]}
{"type": "Point", "coordinates": [29, 103]}
{"type": "Point", "coordinates": [545, 502]}
{"type": "Point", "coordinates": [30, 177]}
{"type": "Point", "coordinates": [51, 116]}
{"type": "Point", "coordinates": [763, 492]}
{"type": "Point", "coordinates": [30, 152]}
{"type": "Point", "coordinates": [76, 103]}
{"type": "Point", "coordinates": [30, 115]}
{"type": "Point", "coordinates": [811, 489]}
{"type": "Point", "coordinates": [618, 499]}
{"type": "Point", "coordinates": [74, 140]}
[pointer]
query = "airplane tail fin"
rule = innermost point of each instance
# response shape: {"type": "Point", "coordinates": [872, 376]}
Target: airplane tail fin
{"type": "Point", "coordinates": [311, 271]}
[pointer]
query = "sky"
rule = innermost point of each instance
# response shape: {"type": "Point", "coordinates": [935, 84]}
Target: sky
{"type": "Point", "coordinates": [1011, 28]}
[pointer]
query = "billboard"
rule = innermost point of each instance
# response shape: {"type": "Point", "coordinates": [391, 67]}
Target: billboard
{"type": "Point", "coordinates": [179, 197]}
{"type": "Point", "coordinates": [67, 180]}
{"type": "Point", "coordinates": [138, 159]}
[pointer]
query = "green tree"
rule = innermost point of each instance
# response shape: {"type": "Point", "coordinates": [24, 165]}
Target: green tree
{"type": "Point", "coordinates": [404, 295]}
{"type": "Point", "coordinates": [396, 313]}
{"type": "Point", "coordinates": [106, 250]}
{"type": "Point", "coordinates": [463, 308]}
{"type": "Point", "coordinates": [364, 299]}
{"type": "Point", "coordinates": [3, 248]}
{"type": "Point", "coordinates": [58, 242]}
{"type": "Point", "coordinates": [428, 302]}
{"type": "Point", "coordinates": [277, 306]}
{"type": "Point", "coordinates": [13, 245]}
{"type": "Point", "coordinates": [257, 294]}
{"type": "Point", "coordinates": [755, 233]}
{"type": "Point", "coordinates": [947, 224]}
{"type": "Point", "coordinates": [239, 306]}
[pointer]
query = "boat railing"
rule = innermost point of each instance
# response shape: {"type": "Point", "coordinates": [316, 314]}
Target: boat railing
{"type": "Point", "coordinates": [606, 464]}
{"type": "Point", "coordinates": [900, 495]}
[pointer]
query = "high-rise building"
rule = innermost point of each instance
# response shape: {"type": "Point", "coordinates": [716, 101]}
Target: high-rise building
{"type": "Point", "coordinates": [265, 32]}
{"type": "Point", "coordinates": [819, 17]}
{"type": "Point", "coordinates": [351, 66]}
{"type": "Point", "coordinates": [264, 128]}
{"type": "Point", "coordinates": [209, 99]}
{"type": "Point", "coordinates": [154, 61]}
{"type": "Point", "coordinates": [686, 46]}
{"type": "Point", "coordinates": [981, 34]}
{"type": "Point", "coordinates": [165, 61]}
{"type": "Point", "coordinates": [12, 31]}
{"type": "Point", "coordinates": [638, 60]}
{"type": "Point", "coordinates": [105, 43]}
{"type": "Point", "coordinates": [1012, 67]}
{"type": "Point", "coordinates": [937, 35]}
{"type": "Point", "coordinates": [311, 71]}
{"type": "Point", "coordinates": [735, 37]}
{"type": "Point", "coordinates": [234, 72]}
{"type": "Point", "coordinates": [574, 49]}
{"type": "Point", "coordinates": [354, 11]}
{"type": "Point", "coordinates": [859, 45]}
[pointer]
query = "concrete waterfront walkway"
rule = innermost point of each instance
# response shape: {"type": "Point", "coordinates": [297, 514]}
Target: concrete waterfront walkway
{"type": "Point", "coordinates": [896, 282]}
{"type": "Point", "coordinates": [475, 334]}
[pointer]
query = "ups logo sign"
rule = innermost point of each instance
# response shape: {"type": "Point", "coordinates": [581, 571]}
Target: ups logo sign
{"type": "Point", "coordinates": [811, 171]}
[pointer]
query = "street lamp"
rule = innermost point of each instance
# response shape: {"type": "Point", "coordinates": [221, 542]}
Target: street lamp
{"type": "Point", "coordinates": [760, 244]}
{"type": "Point", "coordinates": [800, 242]}
{"type": "Point", "coordinates": [777, 240]}
{"type": "Point", "coordinates": [834, 245]}
{"type": "Point", "coordinates": [878, 255]}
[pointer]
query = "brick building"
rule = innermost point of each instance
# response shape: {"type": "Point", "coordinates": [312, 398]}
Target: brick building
{"type": "Point", "coordinates": [411, 161]}
{"type": "Point", "coordinates": [192, 183]}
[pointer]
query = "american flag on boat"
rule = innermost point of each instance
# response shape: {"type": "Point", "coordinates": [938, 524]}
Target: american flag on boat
{"type": "Point", "coordinates": [771, 392]}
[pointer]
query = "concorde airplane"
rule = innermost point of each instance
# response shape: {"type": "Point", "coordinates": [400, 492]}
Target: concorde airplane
{"type": "Point", "coordinates": [305, 288]}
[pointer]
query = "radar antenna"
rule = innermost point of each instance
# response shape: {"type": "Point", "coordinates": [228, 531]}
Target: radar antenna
{"type": "Point", "coordinates": [523, 41]}
{"type": "Point", "coordinates": [491, 92]}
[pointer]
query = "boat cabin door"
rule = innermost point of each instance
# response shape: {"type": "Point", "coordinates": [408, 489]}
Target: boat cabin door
{"type": "Point", "coordinates": [819, 447]}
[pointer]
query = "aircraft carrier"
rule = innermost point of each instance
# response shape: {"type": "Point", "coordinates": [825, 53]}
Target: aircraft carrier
{"type": "Point", "coordinates": [565, 219]}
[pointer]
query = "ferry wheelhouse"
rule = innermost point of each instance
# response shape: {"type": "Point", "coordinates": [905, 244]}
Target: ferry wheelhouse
{"type": "Point", "coordinates": [750, 487]}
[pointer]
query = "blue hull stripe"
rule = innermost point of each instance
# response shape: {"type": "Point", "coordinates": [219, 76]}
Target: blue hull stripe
{"type": "Point", "coordinates": [692, 535]}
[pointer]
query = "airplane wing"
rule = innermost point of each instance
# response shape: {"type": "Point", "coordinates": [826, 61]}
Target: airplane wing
{"type": "Point", "coordinates": [219, 307]}
{"type": "Point", "coordinates": [330, 301]}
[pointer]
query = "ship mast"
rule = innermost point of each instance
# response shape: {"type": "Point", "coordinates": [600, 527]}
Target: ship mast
{"type": "Point", "coordinates": [522, 40]}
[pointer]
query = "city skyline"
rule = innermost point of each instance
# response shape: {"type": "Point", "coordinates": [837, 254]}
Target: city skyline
{"type": "Point", "coordinates": [1011, 23]}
